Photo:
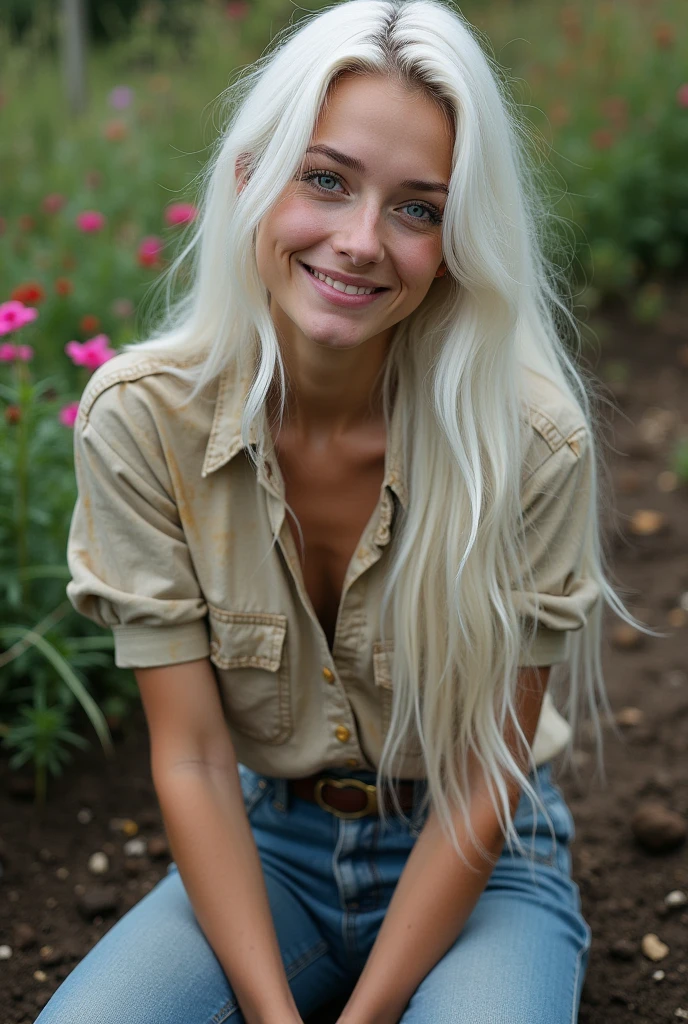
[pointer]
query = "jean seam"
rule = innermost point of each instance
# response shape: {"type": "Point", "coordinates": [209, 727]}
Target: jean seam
{"type": "Point", "coordinates": [579, 960]}
{"type": "Point", "coordinates": [294, 968]}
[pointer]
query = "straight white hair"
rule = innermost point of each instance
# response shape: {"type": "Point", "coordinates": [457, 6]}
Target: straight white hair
{"type": "Point", "coordinates": [457, 562]}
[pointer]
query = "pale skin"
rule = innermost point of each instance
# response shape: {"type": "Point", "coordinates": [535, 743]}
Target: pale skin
{"type": "Point", "coordinates": [370, 222]}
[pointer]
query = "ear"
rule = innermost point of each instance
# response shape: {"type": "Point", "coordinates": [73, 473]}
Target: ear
{"type": "Point", "coordinates": [242, 170]}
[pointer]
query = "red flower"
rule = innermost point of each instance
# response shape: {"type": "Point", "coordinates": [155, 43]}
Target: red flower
{"type": "Point", "coordinates": [30, 293]}
{"type": "Point", "coordinates": [63, 286]}
{"type": "Point", "coordinates": [12, 414]}
{"type": "Point", "coordinates": [602, 138]}
{"type": "Point", "coordinates": [53, 202]}
{"type": "Point", "coordinates": [89, 323]}
{"type": "Point", "coordinates": [665, 35]}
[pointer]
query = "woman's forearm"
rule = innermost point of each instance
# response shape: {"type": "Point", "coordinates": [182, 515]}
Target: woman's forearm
{"type": "Point", "coordinates": [216, 855]}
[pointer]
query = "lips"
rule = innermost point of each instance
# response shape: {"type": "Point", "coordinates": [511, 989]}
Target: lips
{"type": "Point", "coordinates": [347, 279]}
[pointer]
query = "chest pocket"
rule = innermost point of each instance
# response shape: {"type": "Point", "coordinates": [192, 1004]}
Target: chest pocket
{"type": "Point", "coordinates": [248, 649]}
{"type": "Point", "coordinates": [382, 671]}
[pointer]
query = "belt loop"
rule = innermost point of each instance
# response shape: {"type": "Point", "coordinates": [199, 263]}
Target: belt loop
{"type": "Point", "coordinates": [281, 795]}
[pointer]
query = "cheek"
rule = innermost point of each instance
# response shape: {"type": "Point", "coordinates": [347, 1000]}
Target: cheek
{"type": "Point", "coordinates": [295, 226]}
{"type": "Point", "coordinates": [418, 260]}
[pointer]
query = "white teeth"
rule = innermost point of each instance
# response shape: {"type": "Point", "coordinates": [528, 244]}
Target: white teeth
{"type": "Point", "coordinates": [349, 289]}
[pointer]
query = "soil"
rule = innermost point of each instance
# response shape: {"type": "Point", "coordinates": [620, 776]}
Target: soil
{"type": "Point", "coordinates": [45, 881]}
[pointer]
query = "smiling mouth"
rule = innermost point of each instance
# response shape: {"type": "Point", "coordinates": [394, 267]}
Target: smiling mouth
{"type": "Point", "coordinates": [339, 285]}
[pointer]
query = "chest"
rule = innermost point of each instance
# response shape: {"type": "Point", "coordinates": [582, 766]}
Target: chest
{"type": "Point", "coordinates": [333, 491]}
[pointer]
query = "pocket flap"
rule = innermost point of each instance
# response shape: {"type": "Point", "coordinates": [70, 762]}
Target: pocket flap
{"type": "Point", "coordinates": [246, 639]}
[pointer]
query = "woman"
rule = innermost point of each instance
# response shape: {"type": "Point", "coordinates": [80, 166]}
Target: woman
{"type": "Point", "coordinates": [341, 515]}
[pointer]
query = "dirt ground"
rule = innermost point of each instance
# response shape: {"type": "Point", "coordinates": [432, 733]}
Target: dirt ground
{"type": "Point", "coordinates": [53, 909]}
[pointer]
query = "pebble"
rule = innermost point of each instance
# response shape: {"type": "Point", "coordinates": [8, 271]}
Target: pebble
{"type": "Point", "coordinates": [676, 618]}
{"type": "Point", "coordinates": [98, 863]}
{"type": "Point", "coordinates": [24, 935]}
{"type": "Point", "coordinates": [658, 975]}
{"type": "Point", "coordinates": [97, 900]}
{"type": "Point", "coordinates": [676, 898]}
{"type": "Point", "coordinates": [135, 848]}
{"type": "Point", "coordinates": [84, 816]}
{"type": "Point", "coordinates": [653, 947]}
{"type": "Point", "coordinates": [126, 825]}
{"type": "Point", "coordinates": [681, 1014]}
{"type": "Point", "coordinates": [79, 889]}
{"type": "Point", "coordinates": [627, 638]}
{"type": "Point", "coordinates": [630, 716]}
{"type": "Point", "coordinates": [62, 873]}
{"type": "Point", "coordinates": [667, 481]}
{"type": "Point", "coordinates": [657, 828]}
{"type": "Point", "coordinates": [5, 952]}
{"type": "Point", "coordinates": [647, 522]}
{"type": "Point", "coordinates": [40, 975]}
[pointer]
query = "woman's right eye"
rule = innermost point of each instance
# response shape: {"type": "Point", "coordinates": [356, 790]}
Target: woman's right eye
{"type": "Point", "coordinates": [310, 176]}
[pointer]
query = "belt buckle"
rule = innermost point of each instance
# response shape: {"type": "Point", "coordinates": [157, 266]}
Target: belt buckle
{"type": "Point", "coordinates": [369, 789]}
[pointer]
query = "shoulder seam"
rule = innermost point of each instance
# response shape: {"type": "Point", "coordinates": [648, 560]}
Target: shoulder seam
{"type": "Point", "coordinates": [551, 432]}
{"type": "Point", "coordinates": [120, 376]}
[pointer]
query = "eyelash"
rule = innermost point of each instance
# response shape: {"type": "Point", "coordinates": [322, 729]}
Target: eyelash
{"type": "Point", "coordinates": [435, 215]}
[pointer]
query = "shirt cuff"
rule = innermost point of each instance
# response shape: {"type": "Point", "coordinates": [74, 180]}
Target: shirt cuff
{"type": "Point", "coordinates": [550, 647]}
{"type": "Point", "coordinates": [150, 646]}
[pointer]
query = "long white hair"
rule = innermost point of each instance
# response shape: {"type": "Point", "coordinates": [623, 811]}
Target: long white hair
{"type": "Point", "coordinates": [455, 362]}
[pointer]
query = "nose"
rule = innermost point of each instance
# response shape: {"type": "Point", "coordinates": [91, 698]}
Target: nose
{"type": "Point", "coordinates": [359, 237]}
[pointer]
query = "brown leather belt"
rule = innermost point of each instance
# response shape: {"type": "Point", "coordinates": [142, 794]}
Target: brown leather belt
{"type": "Point", "coordinates": [349, 798]}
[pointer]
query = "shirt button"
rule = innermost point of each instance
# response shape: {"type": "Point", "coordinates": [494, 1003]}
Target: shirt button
{"type": "Point", "coordinates": [342, 733]}
{"type": "Point", "coordinates": [328, 675]}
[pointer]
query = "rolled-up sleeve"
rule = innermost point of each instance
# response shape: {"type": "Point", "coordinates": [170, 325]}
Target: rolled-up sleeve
{"type": "Point", "coordinates": [557, 522]}
{"type": "Point", "coordinates": [127, 554]}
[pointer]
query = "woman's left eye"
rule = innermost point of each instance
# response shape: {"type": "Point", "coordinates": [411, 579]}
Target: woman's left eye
{"type": "Point", "coordinates": [434, 215]}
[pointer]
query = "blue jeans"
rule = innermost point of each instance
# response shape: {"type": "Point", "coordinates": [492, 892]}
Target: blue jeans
{"type": "Point", "coordinates": [521, 957]}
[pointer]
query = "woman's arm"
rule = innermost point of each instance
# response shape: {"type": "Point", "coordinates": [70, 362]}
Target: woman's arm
{"type": "Point", "coordinates": [436, 893]}
{"type": "Point", "coordinates": [197, 783]}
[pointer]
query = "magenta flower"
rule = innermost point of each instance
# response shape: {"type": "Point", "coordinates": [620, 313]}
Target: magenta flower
{"type": "Point", "coordinates": [90, 220]}
{"type": "Point", "coordinates": [15, 314]}
{"type": "Point", "coordinates": [237, 10]}
{"type": "Point", "coordinates": [92, 353]}
{"type": "Point", "coordinates": [8, 353]}
{"type": "Point", "coordinates": [120, 97]}
{"type": "Point", "coordinates": [682, 96]}
{"type": "Point", "coordinates": [180, 213]}
{"type": "Point", "coordinates": [150, 250]}
{"type": "Point", "coordinates": [68, 414]}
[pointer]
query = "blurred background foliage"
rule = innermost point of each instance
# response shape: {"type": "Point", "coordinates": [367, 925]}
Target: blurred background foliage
{"type": "Point", "coordinates": [603, 88]}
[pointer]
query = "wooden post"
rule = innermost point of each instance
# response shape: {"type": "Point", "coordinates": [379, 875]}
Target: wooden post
{"type": "Point", "coordinates": [74, 53]}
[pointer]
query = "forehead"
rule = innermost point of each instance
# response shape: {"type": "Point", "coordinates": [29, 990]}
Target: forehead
{"type": "Point", "coordinates": [385, 124]}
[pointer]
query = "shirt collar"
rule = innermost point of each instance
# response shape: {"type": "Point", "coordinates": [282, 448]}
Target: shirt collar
{"type": "Point", "coordinates": [225, 433]}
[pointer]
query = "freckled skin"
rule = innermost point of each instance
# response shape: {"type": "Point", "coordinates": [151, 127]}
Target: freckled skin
{"type": "Point", "coordinates": [331, 447]}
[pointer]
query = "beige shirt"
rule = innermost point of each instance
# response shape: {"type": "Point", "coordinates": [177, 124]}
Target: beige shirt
{"type": "Point", "coordinates": [170, 547]}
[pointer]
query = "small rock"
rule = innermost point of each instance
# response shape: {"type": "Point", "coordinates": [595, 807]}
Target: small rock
{"type": "Point", "coordinates": [51, 903]}
{"type": "Point", "coordinates": [158, 847]}
{"type": "Point", "coordinates": [658, 975]}
{"type": "Point", "coordinates": [630, 716]}
{"type": "Point", "coordinates": [84, 816]}
{"type": "Point", "coordinates": [623, 949]}
{"type": "Point", "coordinates": [40, 975]}
{"type": "Point", "coordinates": [5, 952]}
{"type": "Point", "coordinates": [135, 848]}
{"type": "Point", "coordinates": [24, 935]}
{"type": "Point", "coordinates": [47, 856]}
{"type": "Point", "coordinates": [79, 889]}
{"type": "Point", "coordinates": [98, 900]}
{"type": "Point", "coordinates": [627, 638]}
{"type": "Point", "coordinates": [51, 956]}
{"type": "Point", "coordinates": [657, 828]}
{"type": "Point", "coordinates": [647, 522]}
{"type": "Point", "coordinates": [667, 481]}
{"type": "Point", "coordinates": [98, 863]}
{"type": "Point", "coordinates": [676, 898]}
{"type": "Point", "coordinates": [125, 825]}
{"type": "Point", "coordinates": [681, 1014]}
{"type": "Point", "coordinates": [677, 618]}
{"type": "Point", "coordinates": [675, 678]}
{"type": "Point", "coordinates": [653, 947]}
{"type": "Point", "coordinates": [62, 873]}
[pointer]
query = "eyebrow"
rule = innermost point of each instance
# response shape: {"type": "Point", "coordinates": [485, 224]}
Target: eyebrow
{"type": "Point", "coordinates": [357, 165]}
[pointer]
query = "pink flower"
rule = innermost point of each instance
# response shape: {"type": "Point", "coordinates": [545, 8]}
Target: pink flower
{"type": "Point", "coordinates": [8, 353]}
{"type": "Point", "coordinates": [236, 10]}
{"type": "Point", "coordinates": [120, 97]}
{"type": "Point", "coordinates": [92, 353]}
{"type": "Point", "coordinates": [682, 96]}
{"type": "Point", "coordinates": [53, 202]}
{"type": "Point", "coordinates": [150, 250]}
{"type": "Point", "coordinates": [15, 314]}
{"type": "Point", "coordinates": [90, 220]}
{"type": "Point", "coordinates": [68, 414]}
{"type": "Point", "coordinates": [180, 213]}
